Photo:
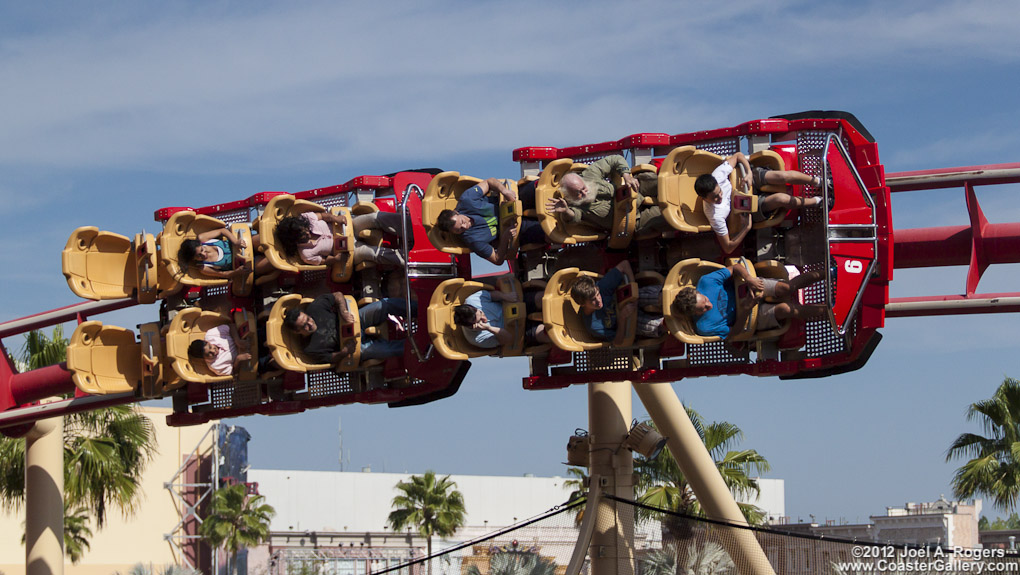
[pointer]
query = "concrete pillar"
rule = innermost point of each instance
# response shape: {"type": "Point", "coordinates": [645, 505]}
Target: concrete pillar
{"type": "Point", "coordinates": [698, 467]}
{"type": "Point", "coordinates": [44, 498]}
{"type": "Point", "coordinates": [609, 415]}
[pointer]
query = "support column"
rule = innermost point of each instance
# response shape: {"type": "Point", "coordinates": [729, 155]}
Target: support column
{"type": "Point", "coordinates": [697, 465]}
{"type": "Point", "coordinates": [44, 498]}
{"type": "Point", "coordinates": [609, 416]}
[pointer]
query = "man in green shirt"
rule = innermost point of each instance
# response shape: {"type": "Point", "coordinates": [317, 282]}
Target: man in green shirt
{"type": "Point", "coordinates": [589, 197]}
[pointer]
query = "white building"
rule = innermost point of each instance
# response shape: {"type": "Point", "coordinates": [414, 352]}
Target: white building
{"type": "Point", "coordinates": [352, 501]}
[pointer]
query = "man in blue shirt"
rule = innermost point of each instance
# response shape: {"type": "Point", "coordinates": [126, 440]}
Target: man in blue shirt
{"type": "Point", "coordinates": [713, 304]}
{"type": "Point", "coordinates": [597, 300]}
{"type": "Point", "coordinates": [481, 318]}
{"type": "Point", "coordinates": [476, 221]}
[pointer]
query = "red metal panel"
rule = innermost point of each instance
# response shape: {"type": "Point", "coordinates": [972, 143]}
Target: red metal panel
{"type": "Point", "coordinates": [852, 261]}
{"type": "Point", "coordinates": [535, 153]}
{"type": "Point", "coordinates": [601, 147]}
{"type": "Point", "coordinates": [644, 140]}
{"type": "Point", "coordinates": [423, 250]}
{"type": "Point", "coordinates": [706, 135]}
{"type": "Point", "coordinates": [819, 125]}
{"type": "Point", "coordinates": [363, 182]}
{"type": "Point", "coordinates": [163, 214]}
{"type": "Point", "coordinates": [763, 127]}
{"type": "Point", "coordinates": [262, 198]}
{"type": "Point", "coordinates": [865, 154]}
{"type": "Point", "coordinates": [850, 207]}
{"type": "Point", "coordinates": [225, 207]}
{"type": "Point", "coordinates": [319, 192]}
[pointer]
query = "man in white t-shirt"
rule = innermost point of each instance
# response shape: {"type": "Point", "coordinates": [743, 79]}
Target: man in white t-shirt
{"type": "Point", "coordinates": [716, 193]}
{"type": "Point", "coordinates": [220, 349]}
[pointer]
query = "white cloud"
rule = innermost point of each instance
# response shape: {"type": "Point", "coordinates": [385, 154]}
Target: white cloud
{"type": "Point", "coordinates": [321, 83]}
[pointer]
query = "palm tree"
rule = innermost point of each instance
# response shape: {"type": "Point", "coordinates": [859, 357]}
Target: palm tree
{"type": "Point", "coordinates": [432, 505]}
{"type": "Point", "coordinates": [517, 563]}
{"type": "Point", "coordinates": [663, 485]}
{"type": "Point", "coordinates": [76, 533]}
{"type": "Point", "coordinates": [105, 452]}
{"type": "Point", "coordinates": [994, 465]}
{"type": "Point", "coordinates": [236, 520]}
{"type": "Point", "coordinates": [707, 558]}
{"type": "Point", "coordinates": [577, 485]}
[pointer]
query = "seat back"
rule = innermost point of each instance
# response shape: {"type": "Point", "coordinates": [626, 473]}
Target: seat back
{"type": "Point", "coordinates": [548, 188]}
{"type": "Point", "coordinates": [625, 214]}
{"type": "Point", "coordinates": [104, 359]}
{"type": "Point", "coordinates": [680, 205]}
{"type": "Point", "coordinates": [562, 317]}
{"type": "Point", "coordinates": [439, 196]}
{"type": "Point", "coordinates": [443, 193]}
{"type": "Point", "coordinates": [286, 205]}
{"type": "Point", "coordinates": [775, 270]}
{"type": "Point", "coordinates": [748, 331]}
{"type": "Point", "coordinates": [684, 274]}
{"type": "Point", "coordinates": [285, 345]}
{"type": "Point", "coordinates": [278, 208]}
{"type": "Point", "coordinates": [773, 161]}
{"type": "Point", "coordinates": [157, 377]}
{"type": "Point", "coordinates": [146, 268]}
{"type": "Point", "coordinates": [448, 337]}
{"type": "Point", "coordinates": [643, 279]}
{"type": "Point", "coordinates": [98, 265]}
{"type": "Point", "coordinates": [371, 236]}
{"type": "Point", "coordinates": [189, 325]}
{"type": "Point", "coordinates": [182, 226]}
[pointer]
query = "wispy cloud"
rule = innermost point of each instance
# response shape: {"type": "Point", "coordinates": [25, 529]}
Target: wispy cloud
{"type": "Point", "coordinates": [315, 83]}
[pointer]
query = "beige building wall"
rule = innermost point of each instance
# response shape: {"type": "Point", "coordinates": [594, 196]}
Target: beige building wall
{"type": "Point", "coordinates": [124, 542]}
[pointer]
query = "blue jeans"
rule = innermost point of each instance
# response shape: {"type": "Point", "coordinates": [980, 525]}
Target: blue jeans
{"type": "Point", "coordinates": [375, 313]}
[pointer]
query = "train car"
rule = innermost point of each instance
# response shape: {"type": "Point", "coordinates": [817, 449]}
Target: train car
{"type": "Point", "coordinates": [846, 240]}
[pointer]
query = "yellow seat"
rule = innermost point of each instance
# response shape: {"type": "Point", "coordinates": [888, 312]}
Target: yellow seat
{"type": "Point", "coordinates": [101, 265]}
{"type": "Point", "coordinates": [536, 348]}
{"type": "Point", "coordinates": [191, 324]}
{"type": "Point", "coordinates": [686, 274]}
{"type": "Point", "coordinates": [773, 161]}
{"type": "Point", "coordinates": [548, 188]}
{"type": "Point", "coordinates": [104, 360]}
{"type": "Point", "coordinates": [157, 377]}
{"type": "Point", "coordinates": [530, 213]}
{"type": "Point", "coordinates": [563, 321]}
{"type": "Point", "coordinates": [187, 225]}
{"type": "Point", "coordinates": [287, 205]}
{"type": "Point", "coordinates": [775, 270]}
{"type": "Point", "coordinates": [287, 346]}
{"type": "Point", "coordinates": [371, 236]}
{"type": "Point", "coordinates": [448, 338]}
{"type": "Point", "coordinates": [443, 193]}
{"type": "Point", "coordinates": [147, 267]}
{"type": "Point", "coordinates": [680, 205]}
{"type": "Point", "coordinates": [643, 279]}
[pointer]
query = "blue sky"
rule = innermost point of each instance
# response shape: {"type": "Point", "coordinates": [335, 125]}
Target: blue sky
{"type": "Point", "coordinates": [111, 110]}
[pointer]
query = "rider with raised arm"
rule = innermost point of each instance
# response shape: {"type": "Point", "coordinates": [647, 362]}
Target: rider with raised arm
{"type": "Point", "coordinates": [589, 197]}
{"type": "Point", "coordinates": [712, 306]}
{"type": "Point", "coordinates": [716, 192]}
{"type": "Point", "coordinates": [476, 221]}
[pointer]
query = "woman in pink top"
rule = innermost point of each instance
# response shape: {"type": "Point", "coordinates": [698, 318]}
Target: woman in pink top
{"type": "Point", "coordinates": [310, 237]}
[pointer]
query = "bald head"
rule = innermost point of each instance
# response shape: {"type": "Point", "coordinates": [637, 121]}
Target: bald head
{"type": "Point", "coordinates": [575, 191]}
